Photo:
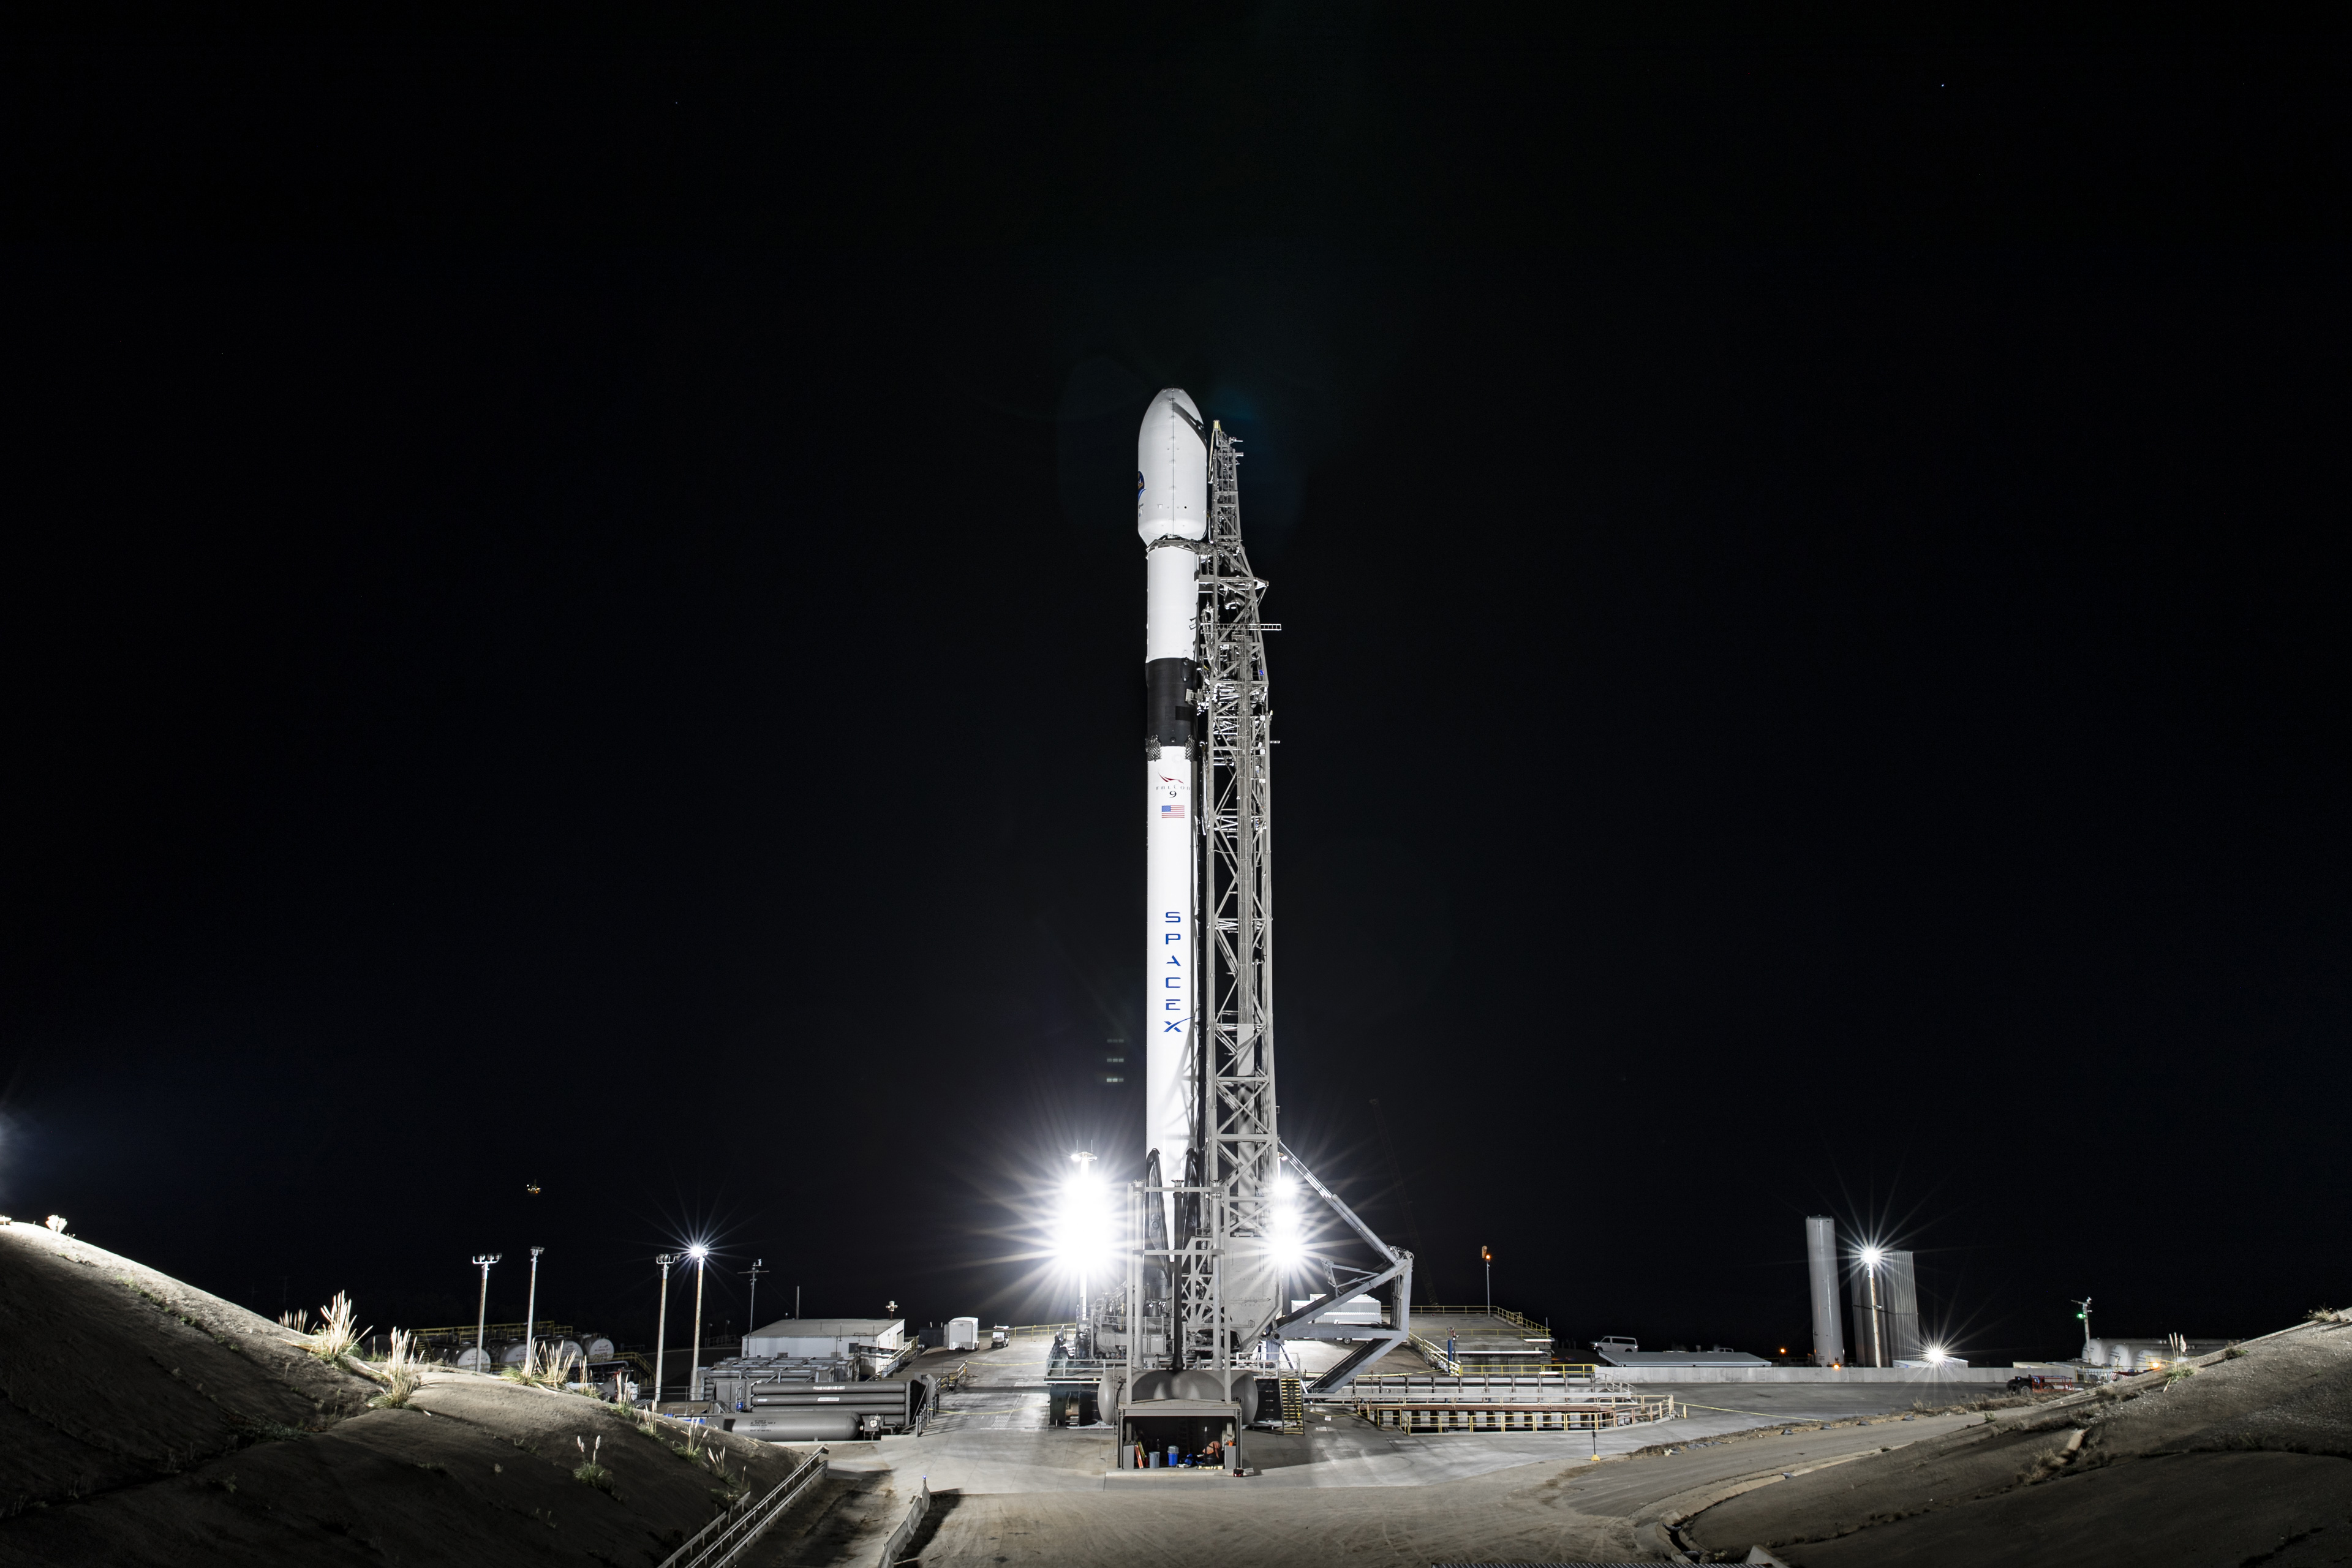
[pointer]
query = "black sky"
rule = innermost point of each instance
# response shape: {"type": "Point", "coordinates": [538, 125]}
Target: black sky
{"type": "Point", "coordinates": [572, 618]}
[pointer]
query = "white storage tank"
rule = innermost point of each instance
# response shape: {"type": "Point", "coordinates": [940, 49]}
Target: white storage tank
{"type": "Point", "coordinates": [963, 1333]}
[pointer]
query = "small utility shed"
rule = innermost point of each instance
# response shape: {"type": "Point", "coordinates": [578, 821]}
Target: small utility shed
{"type": "Point", "coordinates": [825, 1338]}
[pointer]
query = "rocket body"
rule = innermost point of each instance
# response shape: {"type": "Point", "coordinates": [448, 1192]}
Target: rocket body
{"type": "Point", "coordinates": [1171, 515]}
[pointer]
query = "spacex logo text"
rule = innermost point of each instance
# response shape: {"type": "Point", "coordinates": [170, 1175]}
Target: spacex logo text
{"type": "Point", "coordinates": [1174, 962]}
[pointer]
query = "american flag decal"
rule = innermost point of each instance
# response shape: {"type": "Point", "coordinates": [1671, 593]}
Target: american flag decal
{"type": "Point", "coordinates": [1171, 813]}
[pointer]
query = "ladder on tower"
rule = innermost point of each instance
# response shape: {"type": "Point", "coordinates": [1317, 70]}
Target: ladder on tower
{"type": "Point", "coordinates": [1294, 1406]}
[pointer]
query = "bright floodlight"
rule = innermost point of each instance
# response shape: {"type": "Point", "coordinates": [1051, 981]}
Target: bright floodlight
{"type": "Point", "coordinates": [1282, 1228]}
{"type": "Point", "coordinates": [698, 1253]}
{"type": "Point", "coordinates": [1083, 1241]}
{"type": "Point", "coordinates": [1937, 1356]}
{"type": "Point", "coordinates": [1872, 1257]}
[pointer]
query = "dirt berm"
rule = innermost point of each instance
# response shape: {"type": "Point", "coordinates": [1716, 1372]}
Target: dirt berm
{"type": "Point", "coordinates": [2247, 1460]}
{"type": "Point", "coordinates": [144, 1422]}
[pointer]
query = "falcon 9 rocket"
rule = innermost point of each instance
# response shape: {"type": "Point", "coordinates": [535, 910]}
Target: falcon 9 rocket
{"type": "Point", "coordinates": [1171, 513]}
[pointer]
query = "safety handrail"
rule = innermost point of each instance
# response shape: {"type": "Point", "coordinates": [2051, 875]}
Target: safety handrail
{"type": "Point", "coordinates": [1477, 1309]}
{"type": "Point", "coordinates": [740, 1525]}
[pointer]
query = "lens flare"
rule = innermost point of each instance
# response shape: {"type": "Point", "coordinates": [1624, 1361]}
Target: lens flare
{"type": "Point", "coordinates": [1084, 1237]}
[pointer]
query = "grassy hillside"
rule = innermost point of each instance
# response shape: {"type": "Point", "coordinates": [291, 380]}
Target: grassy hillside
{"type": "Point", "coordinates": [144, 1422]}
{"type": "Point", "coordinates": [2236, 1457]}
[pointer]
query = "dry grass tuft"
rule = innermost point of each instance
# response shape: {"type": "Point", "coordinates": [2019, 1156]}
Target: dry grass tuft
{"type": "Point", "coordinates": [334, 1336]}
{"type": "Point", "coordinates": [550, 1366]}
{"type": "Point", "coordinates": [402, 1374]}
{"type": "Point", "coordinates": [588, 1471]}
{"type": "Point", "coordinates": [733, 1484]}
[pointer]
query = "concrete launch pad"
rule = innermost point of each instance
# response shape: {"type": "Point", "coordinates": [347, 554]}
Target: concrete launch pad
{"type": "Point", "coordinates": [1011, 1488]}
{"type": "Point", "coordinates": [1039, 1496]}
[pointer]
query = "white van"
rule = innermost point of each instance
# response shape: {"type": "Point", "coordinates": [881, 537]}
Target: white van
{"type": "Point", "coordinates": [963, 1333]}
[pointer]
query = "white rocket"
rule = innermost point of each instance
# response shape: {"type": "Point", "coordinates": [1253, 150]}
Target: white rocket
{"type": "Point", "coordinates": [1171, 513]}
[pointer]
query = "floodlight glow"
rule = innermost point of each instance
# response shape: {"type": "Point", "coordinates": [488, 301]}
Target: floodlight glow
{"type": "Point", "coordinates": [698, 1253]}
{"type": "Point", "coordinates": [1871, 1257]}
{"type": "Point", "coordinates": [1937, 1356]}
{"type": "Point", "coordinates": [1282, 1243]}
{"type": "Point", "coordinates": [1084, 1235]}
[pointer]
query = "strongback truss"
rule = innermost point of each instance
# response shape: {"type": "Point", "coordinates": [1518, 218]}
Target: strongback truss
{"type": "Point", "coordinates": [1234, 1117]}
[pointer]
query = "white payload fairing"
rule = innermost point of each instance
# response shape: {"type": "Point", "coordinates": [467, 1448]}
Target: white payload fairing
{"type": "Point", "coordinates": [1171, 513]}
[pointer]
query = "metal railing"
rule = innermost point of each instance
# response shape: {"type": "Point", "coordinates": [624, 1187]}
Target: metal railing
{"type": "Point", "coordinates": [898, 1358]}
{"type": "Point", "coordinates": [543, 1330]}
{"type": "Point", "coordinates": [725, 1538]}
{"type": "Point", "coordinates": [1523, 1402]}
{"type": "Point", "coordinates": [1472, 1363]}
{"type": "Point", "coordinates": [916, 1511]}
{"type": "Point", "coordinates": [1503, 1314]}
{"type": "Point", "coordinates": [1496, 1388]}
{"type": "Point", "coordinates": [1040, 1330]}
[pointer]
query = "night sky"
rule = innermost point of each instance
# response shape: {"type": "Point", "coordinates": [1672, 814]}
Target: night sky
{"type": "Point", "coordinates": [572, 618]}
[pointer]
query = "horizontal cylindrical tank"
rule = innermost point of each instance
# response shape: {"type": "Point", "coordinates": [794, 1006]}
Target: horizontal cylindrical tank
{"type": "Point", "coordinates": [798, 1427]}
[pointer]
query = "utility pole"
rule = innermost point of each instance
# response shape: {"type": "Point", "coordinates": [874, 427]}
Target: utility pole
{"type": "Point", "coordinates": [531, 1312]}
{"type": "Point", "coordinates": [797, 1302]}
{"type": "Point", "coordinates": [752, 1312]}
{"type": "Point", "coordinates": [482, 1314]}
{"type": "Point", "coordinates": [661, 1328]}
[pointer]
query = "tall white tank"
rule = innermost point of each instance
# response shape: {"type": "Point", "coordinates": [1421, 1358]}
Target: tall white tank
{"type": "Point", "coordinates": [1822, 1268]}
{"type": "Point", "coordinates": [1171, 513]}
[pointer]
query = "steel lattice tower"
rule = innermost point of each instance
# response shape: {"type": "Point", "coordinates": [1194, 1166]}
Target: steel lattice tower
{"type": "Point", "coordinates": [1231, 1296]}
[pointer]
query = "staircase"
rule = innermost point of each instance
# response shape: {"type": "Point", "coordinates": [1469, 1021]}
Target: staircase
{"type": "Point", "coordinates": [1359, 1355]}
{"type": "Point", "coordinates": [1294, 1406]}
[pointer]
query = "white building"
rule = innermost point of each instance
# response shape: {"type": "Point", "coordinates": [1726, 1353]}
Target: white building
{"type": "Point", "coordinates": [827, 1339]}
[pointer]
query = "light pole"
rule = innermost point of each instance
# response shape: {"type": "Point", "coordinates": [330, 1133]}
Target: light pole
{"type": "Point", "coordinates": [2086, 1315]}
{"type": "Point", "coordinates": [1486, 1256]}
{"type": "Point", "coordinates": [759, 1266]}
{"type": "Point", "coordinates": [661, 1328]}
{"type": "Point", "coordinates": [482, 1314]}
{"type": "Point", "coordinates": [702, 1256]}
{"type": "Point", "coordinates": [531, 1312]}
